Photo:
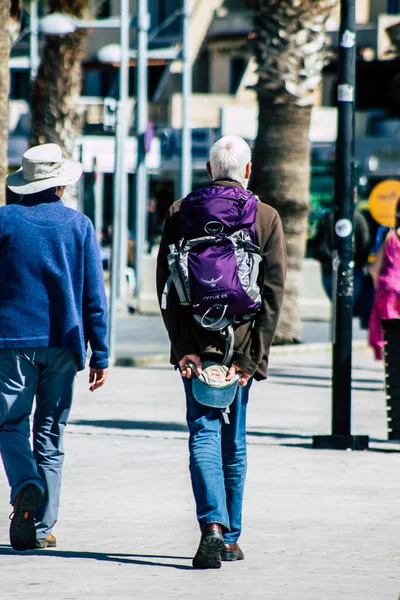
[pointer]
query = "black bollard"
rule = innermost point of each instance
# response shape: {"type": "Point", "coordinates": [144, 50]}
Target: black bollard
{"type": "Point", "coordinates": [391, 357]}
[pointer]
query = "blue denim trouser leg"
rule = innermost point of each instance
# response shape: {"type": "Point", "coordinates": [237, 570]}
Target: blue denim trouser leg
{"type": "Point", "coordinates": [218, 461]}
{"type": "Point", "coordinates": [49, 374]}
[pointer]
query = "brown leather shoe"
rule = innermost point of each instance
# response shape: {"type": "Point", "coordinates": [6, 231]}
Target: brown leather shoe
{"type": "Point", "coordinates": [232, 552]}
{"type": "Point", "coordinates": [208, 555]}
{"type": "Point", "coordinates": [22, 527]}
{"type": "Point", "coordinates": [48, 542]}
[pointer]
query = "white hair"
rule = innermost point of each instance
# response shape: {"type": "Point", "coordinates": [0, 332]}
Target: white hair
{"type": "Point", "coordinates": [229, 157]}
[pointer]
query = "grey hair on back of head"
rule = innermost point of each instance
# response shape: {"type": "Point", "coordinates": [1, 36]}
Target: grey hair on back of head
{"type": "Point", "coordinates": [229, 157]}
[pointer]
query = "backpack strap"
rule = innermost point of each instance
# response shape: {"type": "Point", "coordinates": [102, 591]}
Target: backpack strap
{"type": "Point", "coordinates": [222, 324]}
{"type": "Point", "coordinates": [165, 293]}
{"type": "Point", "coordinates": [213, 324]}
{"type": "Point", "coordinates": [228, 336]}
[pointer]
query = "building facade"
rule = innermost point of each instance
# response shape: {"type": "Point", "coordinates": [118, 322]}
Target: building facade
{"type": "Point", "coordinates": [223, 100]}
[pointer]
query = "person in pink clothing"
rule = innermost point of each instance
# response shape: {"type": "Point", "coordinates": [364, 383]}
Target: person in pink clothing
{"type": "Point", "coordinates": [385, 273]}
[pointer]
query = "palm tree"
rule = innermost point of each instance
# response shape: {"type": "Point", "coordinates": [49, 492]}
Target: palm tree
{"type": "Point", "coordinates": [290, 46]}
{"type": "Point", "coordinates": [10, 13]}
{"type": "Point", "coordinates": [55, 114]}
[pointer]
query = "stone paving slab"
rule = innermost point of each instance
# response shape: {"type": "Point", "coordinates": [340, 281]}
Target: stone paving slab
{"type": "Point", "coordinates": [318, 525]}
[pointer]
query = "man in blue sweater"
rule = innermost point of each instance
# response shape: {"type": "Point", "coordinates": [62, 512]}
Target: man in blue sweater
{"type": "Point", "coordinates": [52, 303]}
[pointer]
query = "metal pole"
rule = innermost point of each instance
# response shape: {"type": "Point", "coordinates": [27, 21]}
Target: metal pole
{"type": "Point", "coordinates": [141, 179]}
{"type": "Point", "coordinates": [344, 212]}
{"type": "Point", "coordinates": [34, 40]}
{"type": "Point", "coordinates": [122, 133]}
{"type": "Point", "coordinates": [341, 437]}
{"type": "Point", "coordinates": [118, 258]}
{"type": "Point", "coordinates": [186, 166]}
{"type": "Point", "coordinates": [98, 201]}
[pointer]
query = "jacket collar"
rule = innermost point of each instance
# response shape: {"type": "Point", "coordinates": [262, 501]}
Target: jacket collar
{"type": "Point", "coordinates": [228, 183]}
{"type": "Point", "coordinates": [44, 197]}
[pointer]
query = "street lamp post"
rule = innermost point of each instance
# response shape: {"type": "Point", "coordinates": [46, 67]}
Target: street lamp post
{"type": "Point", "coordinates": [141, 180]}
{"type": "Point", "coordinates": [120, 191]}
{"type": "Point", "coordinates": [186, 166]}
{"type": "Point", "coordinates": [34, 39]}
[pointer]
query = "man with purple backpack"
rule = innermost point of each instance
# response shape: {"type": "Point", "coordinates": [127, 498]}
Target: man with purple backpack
{"type": "Point", "coordinates": [220, 280]}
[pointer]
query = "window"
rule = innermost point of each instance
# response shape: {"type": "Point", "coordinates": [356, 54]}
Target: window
{"type": "Point", "coordinates": [104, 9]}
{"type": "Point", "coordinates": [160, 11]}
{"type": "Point", "coordinates": [237, 67]}
{"type": "Point", "coordinates": [19, 84]}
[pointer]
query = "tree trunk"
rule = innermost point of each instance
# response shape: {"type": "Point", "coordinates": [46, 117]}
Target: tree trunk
{"type": "Point", "coordinates": [290, 46]}
{"type": "Point", "coordinates": [55, 92]}
{"type": "Point", "coordinates": [281, 178]}
{"type": "Point", "coordinates": [5, 45]}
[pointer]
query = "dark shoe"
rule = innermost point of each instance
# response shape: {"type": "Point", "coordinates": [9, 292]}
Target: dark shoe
{"type": "Point", "coordinates": [232, 552]}
{"type": "Point", "coordinates": [22, 528]}
{"type": "Point", "coordinates": [208, 555]}
{"type": "Point", "coordinates": [47, 542]}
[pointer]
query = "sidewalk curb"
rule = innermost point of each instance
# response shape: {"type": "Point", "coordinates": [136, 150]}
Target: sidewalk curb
{"type": "Point", "coordinates": [162, 360]}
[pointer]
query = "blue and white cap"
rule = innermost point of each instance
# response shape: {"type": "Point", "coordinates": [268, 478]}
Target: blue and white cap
{"type": "Point", "coordinates": [211, 387]}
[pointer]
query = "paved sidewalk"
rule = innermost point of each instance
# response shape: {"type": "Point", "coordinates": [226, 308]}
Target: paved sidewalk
{"type": "Point", "coordinates": [143, 341]}
{"type": "Point", "coordinates": [318, 525]}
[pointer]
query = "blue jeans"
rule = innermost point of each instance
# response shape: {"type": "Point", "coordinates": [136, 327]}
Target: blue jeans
{"type": "Point", "coordinates": [48, 374]}
{"type": "Point", "coordinates": [218, 461]}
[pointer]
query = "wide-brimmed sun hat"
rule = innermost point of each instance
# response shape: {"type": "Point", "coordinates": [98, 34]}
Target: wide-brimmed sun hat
{"type": "Point", "coordinates": [43, 167]}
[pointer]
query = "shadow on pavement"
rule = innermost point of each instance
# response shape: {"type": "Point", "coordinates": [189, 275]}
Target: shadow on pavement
{"type": "Point", "coordinates": [326, 367]}
{"type": "Point", "coordinates": [180, 427]}
{"type": "Point", "coordinates": [291, 375]}
{"type": "Point", "coordinates": [279, 436]}
{"type": "Point", "coordinates": [123, 424]}
{"type": "Point", "coordinates": [310, 384]}
{"type": "Point", "coordinates": [305, 441]}
{"type": "Point", "coordinates": [384, 450]}
{"type": "Point", "coordinates": [286, 437]}
{"type": "Point", "coordinates": [128, 559]}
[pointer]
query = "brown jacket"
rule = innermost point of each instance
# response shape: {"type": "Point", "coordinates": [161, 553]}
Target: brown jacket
{"type": "Point", "coordinates": [252, 343]}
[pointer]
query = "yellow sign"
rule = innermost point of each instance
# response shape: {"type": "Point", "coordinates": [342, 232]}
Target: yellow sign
{"type": "Point", "coordinates": [383, 200]}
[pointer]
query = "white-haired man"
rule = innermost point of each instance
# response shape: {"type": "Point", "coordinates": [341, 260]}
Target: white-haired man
{"type": "Point", "coordinates": [218, 448]}
{"type": "Point", "coordinates": [52, 302]}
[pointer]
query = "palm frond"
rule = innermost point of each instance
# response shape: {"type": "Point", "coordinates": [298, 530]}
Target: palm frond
{"type": "Point", "coordinates": [291, 48]}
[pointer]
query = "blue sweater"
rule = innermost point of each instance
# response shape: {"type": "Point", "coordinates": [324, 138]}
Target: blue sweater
{"type": "Point", "coordinates": [51, 280]}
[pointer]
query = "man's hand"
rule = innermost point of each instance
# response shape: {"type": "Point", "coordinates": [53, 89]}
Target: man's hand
{"type": "Point", "coordinates": [243, 376]}
{"type": "Point", "coordinates": [187, 371]}
{"type": "Point", "coordinates": [97, 378]}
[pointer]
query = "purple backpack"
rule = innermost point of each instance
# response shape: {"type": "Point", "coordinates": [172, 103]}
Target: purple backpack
{"type": "Point", "coordinates": [215, 266]}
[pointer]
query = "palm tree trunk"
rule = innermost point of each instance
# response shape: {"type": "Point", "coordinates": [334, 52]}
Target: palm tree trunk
{"type": "Point", "coordinates": [290, 46]}
{"type": "Point", "coordinates": [5, 45]}
{"type": "Point", "coordinates": [281, 178]}
{"type": "Point", "coordinates": [55, 92]}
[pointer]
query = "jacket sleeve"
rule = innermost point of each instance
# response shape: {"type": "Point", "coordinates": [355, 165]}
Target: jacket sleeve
{"type": "Point", "coordinates": [178, 323]}
{"type": "Point", "coordinates": [95, 313]}
{"type": "Point", "coordinates": [257, 346]}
